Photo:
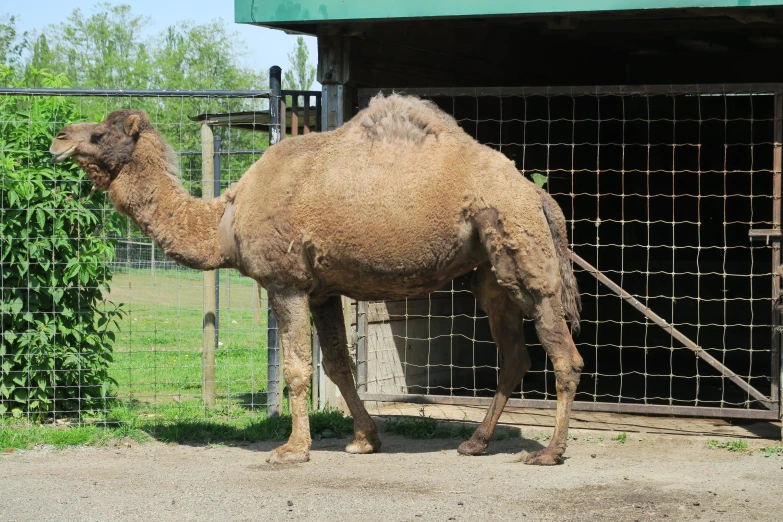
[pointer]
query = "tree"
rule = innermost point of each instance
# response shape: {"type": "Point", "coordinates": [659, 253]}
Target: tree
{"type": "Point", "coordinates": [12, 44]}
{"type": "Point", "coordinates": [201, 56]}
{"type": "Point", "coordinates": [300, 75]}
{"type": "Point", "coordinates": [103, 50]}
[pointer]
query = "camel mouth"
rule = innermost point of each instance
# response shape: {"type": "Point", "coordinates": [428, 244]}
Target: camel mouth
{"type": "Point", "coordinates": [59, 157]}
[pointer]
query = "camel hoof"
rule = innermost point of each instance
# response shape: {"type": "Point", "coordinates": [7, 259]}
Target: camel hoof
{"type": "Point", "coordinates": [369, 444]}
{"type": "Point", "coordinates": [471, 447]}
{"type": "Point", "coordinates": [543, 458]}
{"type": "Point", "coordinates": [285, 454]}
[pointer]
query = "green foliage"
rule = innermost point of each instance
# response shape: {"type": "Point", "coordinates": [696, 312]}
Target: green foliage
{"type": "Point", "coordinates": [772, 451]}
{"type": "Point", "coordinates": [300, 75]}
{"type": "Point", "coordinates": [622, 438]}
{"type": "Point", "coordinates": [539, 179]}
{"type": "Point", "coordinates": [736, 446]}
{"type": "Point", "coordinates": [57, 339]}
{"type": "Point", "coordinates": [107, 49]}
{"type": "Point", "coordinates": [12, 44]}
{"type": "Point", "coordinates": [103, 50]}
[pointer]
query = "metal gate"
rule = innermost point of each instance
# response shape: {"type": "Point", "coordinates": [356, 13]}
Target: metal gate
{"type": "Point", "coordinates": [672, 196]}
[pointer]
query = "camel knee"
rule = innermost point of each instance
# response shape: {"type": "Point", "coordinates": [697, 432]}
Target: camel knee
{"type": "Point", "coordinates": [298, 378]}
{"type": "Point", "coordinates": [568, 371]}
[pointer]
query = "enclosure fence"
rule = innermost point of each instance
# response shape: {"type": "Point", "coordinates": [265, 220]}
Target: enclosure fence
{"type": "Point", "coordinates": [672, 198]}
{"type": "Point", "coordinates": [159, 359]}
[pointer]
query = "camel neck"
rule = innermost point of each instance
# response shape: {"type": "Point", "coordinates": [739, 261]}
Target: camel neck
{"type": "Point", "coordinates": [186, 228]}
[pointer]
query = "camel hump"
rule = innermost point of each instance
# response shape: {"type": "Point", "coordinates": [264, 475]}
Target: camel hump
{"type": "Point", "coordinates": [397, 118]}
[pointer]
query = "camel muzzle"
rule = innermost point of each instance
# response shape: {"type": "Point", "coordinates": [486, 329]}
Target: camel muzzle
{"type": "Point", "coordinates": [58, 157]}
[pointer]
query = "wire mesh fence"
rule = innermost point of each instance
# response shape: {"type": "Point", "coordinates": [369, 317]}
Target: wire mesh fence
{"type": "Point", "coordinates": [660, 188]}
{"type": "Point", "coordinates": [137, 352]}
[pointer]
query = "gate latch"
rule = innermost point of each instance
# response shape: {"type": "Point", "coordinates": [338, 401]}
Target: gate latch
{"type": "Point", "coordinates": [758, 234]}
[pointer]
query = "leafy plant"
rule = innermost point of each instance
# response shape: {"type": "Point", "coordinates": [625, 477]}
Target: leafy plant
{"type": "Point", "coordinates": [772, 451]}
{"type": "Point", "coordinates": [56, 328]}
{"type": "Point", "coordinates": [736, 446]}
{"type": "Point", "coordinates": [621, 438]}
{"type": "Point", "coordinates": [539, 179]}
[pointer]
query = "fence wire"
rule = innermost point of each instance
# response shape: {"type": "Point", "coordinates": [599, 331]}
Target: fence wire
{"type": "Point", "coordinates": [153, 369]}
{"type": "Point", "coordinates": [659, 191]}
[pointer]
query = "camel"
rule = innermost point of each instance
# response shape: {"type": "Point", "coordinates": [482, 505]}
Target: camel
{"type": "Point", "coordinates": [396, 202]}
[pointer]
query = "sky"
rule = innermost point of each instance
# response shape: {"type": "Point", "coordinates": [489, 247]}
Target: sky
{"type": "Point", "coordinates": [266, 47]}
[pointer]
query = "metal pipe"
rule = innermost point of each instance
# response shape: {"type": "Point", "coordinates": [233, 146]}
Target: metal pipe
{"type": "Point", "coordinates": [361, 345]}
{"type": "Point", "coordinates": [223, 152]}
{"type": "Point", "coordinates": [609, 90]}
{"type": "Point", "coordinates": [274, 381]}
{"type": "Point", "coordinates": [160, 93]}
{"type": "Point", "coordinates": [777, 166]}
{"type": "Point", "coordinates": [216, 193]}
{"type": "Point", "coordinates": [607, 407]}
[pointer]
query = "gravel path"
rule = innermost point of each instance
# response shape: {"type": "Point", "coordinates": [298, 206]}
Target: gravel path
{"type": "Point", "coordinates": [659, 478]}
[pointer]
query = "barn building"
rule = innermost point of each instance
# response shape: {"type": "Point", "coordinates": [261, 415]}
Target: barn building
{"type": "Point", "coordinates": [656, 125]}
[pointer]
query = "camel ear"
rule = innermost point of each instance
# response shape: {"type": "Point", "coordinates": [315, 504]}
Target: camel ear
{"type": "Point", "coordinates": [132, 125]}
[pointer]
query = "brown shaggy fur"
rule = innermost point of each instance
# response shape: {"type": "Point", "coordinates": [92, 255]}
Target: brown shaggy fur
{"type": "Point", "coordinates": [397, 202]}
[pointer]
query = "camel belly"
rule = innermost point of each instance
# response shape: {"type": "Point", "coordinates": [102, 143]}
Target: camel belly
{"type": "Point", "coordinates": [370, 284]}
{"type": "Point", "coordinates": [393, 264]}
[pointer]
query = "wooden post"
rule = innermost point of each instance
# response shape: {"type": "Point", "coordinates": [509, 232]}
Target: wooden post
{"type": "Point", "coordinates": [295, 115]}
{"type": "Point", "coordinates": [209, 323]}
{"type": "Point", "coordinates": [337, 108]}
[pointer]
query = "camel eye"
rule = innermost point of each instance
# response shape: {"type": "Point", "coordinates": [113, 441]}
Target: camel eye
{"type": "Point", "coordinates": [96, 138]}
{"type": "Point", "coordinates": [61, 135]}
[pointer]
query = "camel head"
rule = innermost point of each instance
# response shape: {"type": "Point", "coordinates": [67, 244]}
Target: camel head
{"type": "Point", "coordinates": [101, 149]}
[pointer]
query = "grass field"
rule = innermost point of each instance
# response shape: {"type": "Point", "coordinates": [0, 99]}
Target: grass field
{"type": "Point", "coordinates": [157, 354]}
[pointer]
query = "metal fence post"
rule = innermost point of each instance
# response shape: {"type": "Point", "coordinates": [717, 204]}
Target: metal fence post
{"type": "Point", "coordinates": [777, 166]}
{"type": "Point", "coordinates": [209, 341]}
{"type": "Point", "coordinates": [361, 346]}
{"type": "Point", "coordinates": [216, 193]}
{"type": "Point", "coordinates": [274, 382]}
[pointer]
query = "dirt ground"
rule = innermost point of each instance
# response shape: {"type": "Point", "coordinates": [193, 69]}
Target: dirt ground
{"type": "Point", "coordinates": [662, 477]}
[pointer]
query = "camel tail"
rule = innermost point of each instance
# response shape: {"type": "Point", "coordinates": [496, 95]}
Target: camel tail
{"type": "Point", "coordinates": [569, 292]}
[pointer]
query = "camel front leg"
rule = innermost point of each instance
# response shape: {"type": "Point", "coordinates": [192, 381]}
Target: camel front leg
{"type": "Point", "coordinates": [328, 319]}
{"type": "Point", "coordinates": [293, 321]}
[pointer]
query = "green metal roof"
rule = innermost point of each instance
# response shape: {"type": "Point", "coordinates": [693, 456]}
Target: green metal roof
{"type": "Point", "coordinates": [271, 12]}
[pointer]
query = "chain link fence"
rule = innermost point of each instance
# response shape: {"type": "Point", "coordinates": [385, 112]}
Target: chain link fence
{"type": "Point", "coordinates": [144, 353]}
{"type": "Point", "coordinates": [661, 187]}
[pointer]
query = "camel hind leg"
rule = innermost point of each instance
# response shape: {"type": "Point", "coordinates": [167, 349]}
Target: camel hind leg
{"type": "Point", "coordinates": [505, 322]}
{"type": "Point", "coordinates": [531, 276]}
{"type": "Point", "coordinates": [556, 339]}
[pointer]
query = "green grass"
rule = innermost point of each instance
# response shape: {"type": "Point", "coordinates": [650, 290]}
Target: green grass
{"type": "Point", "coordinates": [622, 438]}
{"type": "Point", "coordinates": [735, 446]}
{"type": "Point", "coordinates": [15, 438]}
{"type": "Point", "coordinates": [157, 353]}
{"type": "Point", "coordinates": [323, 424]}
